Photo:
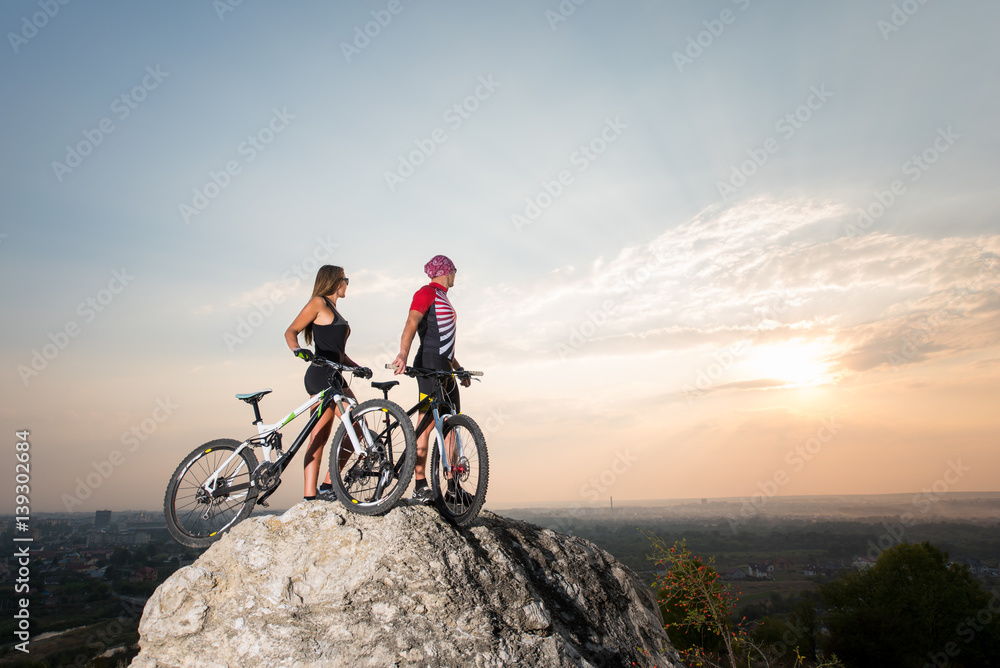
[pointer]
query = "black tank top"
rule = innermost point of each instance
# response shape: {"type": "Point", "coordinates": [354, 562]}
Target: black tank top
{"type": "Point", "coordinates": [331, 339]}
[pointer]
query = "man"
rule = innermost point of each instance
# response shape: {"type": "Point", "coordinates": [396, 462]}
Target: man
{"type": "Point", "coordinates": [433, 318]}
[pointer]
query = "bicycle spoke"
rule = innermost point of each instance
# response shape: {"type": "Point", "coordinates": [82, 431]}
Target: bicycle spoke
{"type": "Point", "coordinates": [371, 482]}
{"type": "Point", "coordinates": [460, 487]}
{"type": "Point", "coordinates": [195, 517]}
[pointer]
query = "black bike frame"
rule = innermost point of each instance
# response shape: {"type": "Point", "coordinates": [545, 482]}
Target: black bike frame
{"type": "Point", "coordinates": [434, 415]}
{"type": "Point", "coordinates": [274, 438]}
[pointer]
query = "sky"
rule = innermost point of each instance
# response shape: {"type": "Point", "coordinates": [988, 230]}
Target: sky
{"type": "Point", "coordinates": [728, 248]}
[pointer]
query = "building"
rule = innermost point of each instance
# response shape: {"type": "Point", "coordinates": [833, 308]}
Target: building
{"type": "Point", "coordinates": [102, 519]}
{"type": "Point", "coordinates": [764, 571]}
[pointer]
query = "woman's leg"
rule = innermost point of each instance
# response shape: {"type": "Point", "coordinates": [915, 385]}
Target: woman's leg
{"type": "Point", "coordinates": [314, 453]}
{"type": "Point", "coordinates": [344, 454]}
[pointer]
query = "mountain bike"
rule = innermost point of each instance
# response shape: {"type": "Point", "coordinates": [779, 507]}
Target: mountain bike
{"type": "Point", "coordinates": [459, 468]}
{"type": "Point", "coordinates": [219, 483]}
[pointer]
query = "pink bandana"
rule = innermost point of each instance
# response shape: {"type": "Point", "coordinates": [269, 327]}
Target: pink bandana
{"type": "Point", "coordinates": [439, 266]}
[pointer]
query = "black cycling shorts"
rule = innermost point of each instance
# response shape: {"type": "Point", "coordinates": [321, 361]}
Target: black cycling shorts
{"type": "Point", "coordinates": [428, 386]}
{"type": "Point", "coordinates": [317, 379]}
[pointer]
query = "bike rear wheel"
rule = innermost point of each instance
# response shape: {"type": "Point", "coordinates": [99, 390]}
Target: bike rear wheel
{"type": "Point", "coordinates": [469, 467]}
{"type": "Point", "coordinates": [198, 518]}
{"type": "Point", "coordinates": [372, 483]}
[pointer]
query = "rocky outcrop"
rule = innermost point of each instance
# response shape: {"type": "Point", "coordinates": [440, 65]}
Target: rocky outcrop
{"type": "Point", "coordinates": [319, 586]}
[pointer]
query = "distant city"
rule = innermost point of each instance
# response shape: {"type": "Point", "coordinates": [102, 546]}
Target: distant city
{"type": "Point", "coordinates": [90, 574]}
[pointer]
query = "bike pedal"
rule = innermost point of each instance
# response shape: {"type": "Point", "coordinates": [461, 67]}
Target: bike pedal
{"type": "Point", "coordinates": [264, 503]}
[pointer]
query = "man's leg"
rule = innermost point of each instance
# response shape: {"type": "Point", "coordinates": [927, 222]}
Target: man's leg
{"type": "Point", "coordinates": [421, 490]}
{"type": "Point", "coordinates": [420, 470]}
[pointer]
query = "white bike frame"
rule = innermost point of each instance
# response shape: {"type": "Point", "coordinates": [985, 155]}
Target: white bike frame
{"type": "Point", "coordinates": [263, 430]}
{"type": "Point", "coordinates": [439, 428]}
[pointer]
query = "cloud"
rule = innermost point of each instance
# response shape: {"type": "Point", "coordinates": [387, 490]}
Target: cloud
{"type": "Point", "coordinates": [771, 272]}
{"type": "Point", "coordinates": [988, 364]}
{"type": "Point", "coordinates": [761, 383]}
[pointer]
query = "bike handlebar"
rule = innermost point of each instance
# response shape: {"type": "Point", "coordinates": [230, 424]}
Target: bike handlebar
{"type": "Point", "coordinates": [361, 371]}
{"type": "Point", "coordinates": [414, 372]}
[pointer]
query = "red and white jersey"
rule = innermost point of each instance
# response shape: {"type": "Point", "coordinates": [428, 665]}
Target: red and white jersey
{"type": "Point", "coordinates": [438, 325]}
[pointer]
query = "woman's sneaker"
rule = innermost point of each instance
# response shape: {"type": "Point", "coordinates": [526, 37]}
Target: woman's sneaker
{"type": "Point", "coordinates": [423, 494]}
{"type": "Point", "coordinates": [325, 493]}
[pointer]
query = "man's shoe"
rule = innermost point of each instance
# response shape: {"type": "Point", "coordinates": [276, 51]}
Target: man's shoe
{"type": "Point", "coordinates": [423, 495]}
{"type": "Point", "coordinates": [456, 496]}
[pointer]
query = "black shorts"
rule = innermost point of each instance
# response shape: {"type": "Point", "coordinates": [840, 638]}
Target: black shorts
{"type": "Point", "coordinates": [317, 379]}
{"type": "Point", "coordinates": [428, 386]}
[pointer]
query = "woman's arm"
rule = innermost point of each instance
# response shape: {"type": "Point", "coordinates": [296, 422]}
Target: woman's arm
{"type": "Point", "coordinates": [306, 315]}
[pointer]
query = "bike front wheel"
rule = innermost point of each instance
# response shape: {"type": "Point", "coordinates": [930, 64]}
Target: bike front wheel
{"type": "Point", "coordinates": [460, 488]}
{"type": "Point", "coordinates": [197, 517]}
{"type": "Point", "coordinates": [371, 483]}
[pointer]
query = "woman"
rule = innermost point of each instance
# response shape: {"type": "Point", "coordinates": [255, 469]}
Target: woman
{"type": "Point", "coordinates": [320, 320]}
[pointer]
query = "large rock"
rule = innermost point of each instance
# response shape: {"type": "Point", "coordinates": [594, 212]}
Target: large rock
{"type": "Point", "coordinates": [319, 586]}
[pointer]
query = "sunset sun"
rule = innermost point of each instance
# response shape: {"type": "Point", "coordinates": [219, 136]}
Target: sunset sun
{"type": "Point", "coordinates": [797, 363]}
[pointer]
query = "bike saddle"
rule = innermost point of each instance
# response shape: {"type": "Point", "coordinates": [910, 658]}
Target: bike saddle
{"type": "Point", "coordinates": [253, 397]}
{"type": "Point", "coordinates": [386, 385]}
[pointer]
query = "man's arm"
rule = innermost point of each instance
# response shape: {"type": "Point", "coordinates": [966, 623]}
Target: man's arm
{"type": "Point", "coordinates": [409, 331]}
{"type": "Point", "coordinates": [455, 366]}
